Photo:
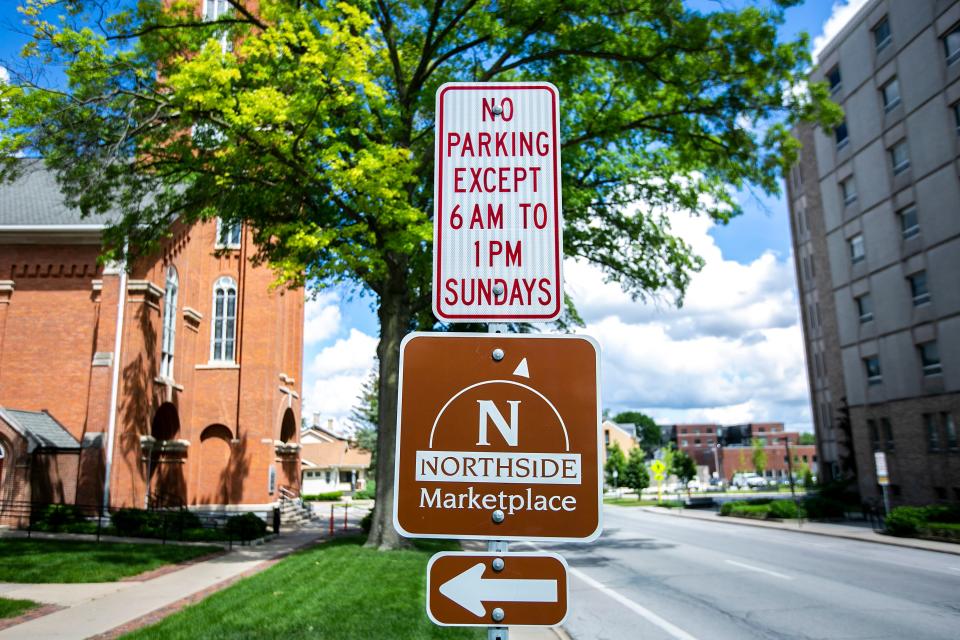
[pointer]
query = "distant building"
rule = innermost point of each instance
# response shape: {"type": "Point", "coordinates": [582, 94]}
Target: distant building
{"type": "Point", "coordinates": [621, 434]}
{"type": "Point", "coordinates": [730, 448]}
{"type": "Point", "coordinates": [175, 383]}
{"type": "Point", "coordinates": [876, 240]}
{"type": "Point", "coordinates": [332, 462]}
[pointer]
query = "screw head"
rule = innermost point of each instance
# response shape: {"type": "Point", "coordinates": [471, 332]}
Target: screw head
{"type": "Point", "coordinates": [498, 516]}
{"type": "Point", "coordinates": [498, 354]}
{"type": "Point", "coordinates": [497, 110]}
{"type": "Point", "coordinates": [497, 614]}
{"type": "Point", "coordinates": [497, 564]}
{"type": "Point", "coordinates": [498, 290]}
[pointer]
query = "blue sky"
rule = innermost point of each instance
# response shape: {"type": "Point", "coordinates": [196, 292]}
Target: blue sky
{"type": "Point", "coordinates": [734, 353]}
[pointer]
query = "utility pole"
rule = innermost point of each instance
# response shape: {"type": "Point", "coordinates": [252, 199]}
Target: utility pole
{"type": "Point", "coordinates": [793, 490]}
{"type": "Point", "coordinates": [716, 463]}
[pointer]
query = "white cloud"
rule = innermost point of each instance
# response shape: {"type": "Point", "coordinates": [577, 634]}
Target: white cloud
{"type": "Point", "coordinates": [4, 75]}
{"type": "Point", "coordinates": [336, 374]}
{"type": "Point", "coordinates": [842, 12]}
{"type": "Point", "coordinates": [733, 353]}
{"type": "Point", "coordinates": [321, 318]}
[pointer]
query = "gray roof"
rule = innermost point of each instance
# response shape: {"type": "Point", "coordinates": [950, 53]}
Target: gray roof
{"type": "Point", "coordinates": [35, 199]}
{"type": "Point", "coordinates": [40, 429]}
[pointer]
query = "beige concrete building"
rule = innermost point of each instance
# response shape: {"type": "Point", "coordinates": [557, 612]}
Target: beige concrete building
{"type": "Point", "coordinates": [875, 217]}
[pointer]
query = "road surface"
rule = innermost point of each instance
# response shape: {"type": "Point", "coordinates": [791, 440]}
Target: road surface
{"type": "Point", "coordinates": [660, 576]}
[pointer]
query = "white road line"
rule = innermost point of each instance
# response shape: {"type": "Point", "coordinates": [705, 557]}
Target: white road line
{"type": "Point", "coordinates": [643, 612]}
{"type": "Point", "coordinates": [758, 569]}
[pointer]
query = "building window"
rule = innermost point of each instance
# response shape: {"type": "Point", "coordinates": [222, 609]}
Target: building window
{"type": "Point", "coordinates": [933, 431]}
{"type": "Point", "coordinates": [899, 159]}
{"type": "Point", "coordinates": [881, 35]}
{"type": "Point", "coordinates": [951, 428]}
{"type": "Point", "coordinates": [865, 307]}
{"type": "Point", "coordinates": [214, 10]}
{"type": "Point", "coordinates": [224, 320]}
{"type": "Point", "coordinates": [848, 190]}
{"type": "Point", "coordinates": [909, 225]}
{"type": "Point", "coordinates": [228, 235]}
{"type": "Point", "coordinates": [841, 135]}
{"type": "Point", "coordinates": [874, 435]}
{"type": "Point", "coordinates": [956, 116]}
{"type": "Point", "coordinates": [872, 366]}
{"type": "Point", "coordinates": [887, 433]}
{"type": "Point", "coordinates": [169, 323]}
{"type": "Point", "coordinates": [697, 442]}
{"type": "Point", "coordinates": [930, 358]}
{"type": "Point", "coordinates": [833, 77]}
{"type": "Point", "coordinates": [891, 94]}
{"type": "Point", "coordinates": [857, 252]}
{"type": "Point", "coordinates": [951, 46]}
{"type": "Point", "coordinates": [918, 288]}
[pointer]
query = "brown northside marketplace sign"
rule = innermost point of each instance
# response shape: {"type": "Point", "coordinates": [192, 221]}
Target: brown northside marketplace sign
{"type": "Point", "coordinates": [498, 437]}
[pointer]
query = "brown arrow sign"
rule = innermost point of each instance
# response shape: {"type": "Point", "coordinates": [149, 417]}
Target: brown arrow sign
{"type": "Point", "coordinates": [498, 437]}
{"type": "Point", "coordinates": [484, 589]}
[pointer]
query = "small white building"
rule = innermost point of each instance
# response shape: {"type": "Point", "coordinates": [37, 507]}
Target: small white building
{"type": "Point", "coordinates": [330, 462]}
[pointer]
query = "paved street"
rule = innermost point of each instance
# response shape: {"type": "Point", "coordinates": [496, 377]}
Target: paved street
{"type": "Point", "coordinates": [658, 576]}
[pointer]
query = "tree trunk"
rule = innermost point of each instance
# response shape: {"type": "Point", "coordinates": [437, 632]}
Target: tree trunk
{"type": "Point", "coordinates": [395, 321]}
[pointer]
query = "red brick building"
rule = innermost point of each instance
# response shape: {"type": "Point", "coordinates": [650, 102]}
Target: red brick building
{"type": "Point", "coordinates": [176, 381]}
{"type": "Point", "coordinates": [730, 447]}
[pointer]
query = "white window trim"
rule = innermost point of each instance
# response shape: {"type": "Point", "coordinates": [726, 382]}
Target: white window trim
{"type": "Point", "coordinates": [220, 244]}
{"type": "Point", "coordinates": [227, 284]}
{"type": "Point", "coordinates": [168, 350]}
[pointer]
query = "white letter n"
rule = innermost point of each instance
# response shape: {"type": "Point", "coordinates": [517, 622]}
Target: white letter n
{"type": "Point", "coordinates": [488, 410]}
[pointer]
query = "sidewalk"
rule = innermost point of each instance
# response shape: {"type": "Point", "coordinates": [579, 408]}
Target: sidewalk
{"type": "Point", "coordinates": [108, 609]}
{"type": "Point", "coordinates": [848, 531]}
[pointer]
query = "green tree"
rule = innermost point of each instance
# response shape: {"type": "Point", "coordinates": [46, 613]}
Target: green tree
{"type": "Point", "coordinates": [364, 417]}
{"type": "Point", "coordinates": [807, 438]}
{"type": "Point", "coordinates": [648, 433]}
{"type": "Point", "coordinates": [616, 461]}
{"type": "Point", "coordinates": [684, 467]}
{"type": "Point", "coordinates": [312, 123]}
{"type": "Point", "coordinates": [635, 474]}
{"type": "Point", "coordinates": [759, 456]}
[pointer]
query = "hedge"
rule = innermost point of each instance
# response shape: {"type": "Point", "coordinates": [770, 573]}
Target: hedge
{"type": "Point", "coordinates": [933, 520]}
{"type": "Point", "coordinates": [330, 496]}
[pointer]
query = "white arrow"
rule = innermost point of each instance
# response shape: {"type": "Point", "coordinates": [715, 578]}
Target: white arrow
{"type": "Point", "coordinates": [469, 590]}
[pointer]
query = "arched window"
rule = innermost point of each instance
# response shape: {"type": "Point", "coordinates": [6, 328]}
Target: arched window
{"type": "Point", "coordinates": [228, 234]}
{"type": "Point", "coordinates": [169, 323]}
{"type": "Point", "coordinates": [223, 340]}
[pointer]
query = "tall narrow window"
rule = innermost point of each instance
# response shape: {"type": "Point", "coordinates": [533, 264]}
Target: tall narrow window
{"type": "Point", "coordinates": [909, 225]}
{"type": "Point", "coordinates": [833, 77]}
{"type": "Point", "coordinates": [848, 190]}
{"type": "Point", "coordinates": [215, 10]}
{"type": "Point", "coordinates": [899, 159]}
{"type": "Point", "coordinates": [918, 288]}
{"type": "Point", "coordinates": [881, 35]}
{"type": "Point", "coordinates": [223, 339]}
{"type": "Point", "coordinates": [872, 367]}
{"type": "Point", "coordinates": [933, 431]}
{"type": "Point", "coordinates": [228, 234]}
{"type": "Point", "coordinates": [887, 434]}
{"type": "Point", "coordinates": [930, 358]}
{"type": "Point", "coordinates": [865, 307]}
{"type": "Point", "coordinates": [951, 428]}
{"type": "Point", "coordinates": [951, 46]}
{"type": "Point", "coordinates": [857, 252]}
{"type": "Point", "coordinates": [841, 135]}
{"type": "Point", "coordinates": [874, 435]}
{"type": "Point", "coordinates": [891, 94]}
{"type": "Point", "coordinates": [169, 323]}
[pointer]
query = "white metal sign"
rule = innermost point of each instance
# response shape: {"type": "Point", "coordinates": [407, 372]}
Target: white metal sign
{"type": "Point", "coordinates": [880, 460]}
{"type": "Point", "coordinates": [498, 223]}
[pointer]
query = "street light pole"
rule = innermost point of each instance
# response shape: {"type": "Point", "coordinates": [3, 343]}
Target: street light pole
{"type": "Point", "coordinates": [716, 464]}
{"type": "Point", "coordinates": [793, 491]}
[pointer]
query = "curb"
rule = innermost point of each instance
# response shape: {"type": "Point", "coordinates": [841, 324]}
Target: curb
{"type": "Point", "coordinates": [942, 547]}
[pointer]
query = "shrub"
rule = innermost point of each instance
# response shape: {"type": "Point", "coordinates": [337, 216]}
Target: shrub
{"type": "Point", "coordinates": [57, 517]}
{"type": "Point", "coordinates": [905, 521]}
{"type": "Point", "coordinates": [246, 527]}
{"type": "Point", "coordinates": [942, 513]}
{"type": "Point", "coordinates": [136, 522]}
{"type": "Point", "coordinates": [784, 509]}
{"type": "Point", "coordinates": [755, 511]}
{"type": "Point", "coordinates": [330, 496]}
{"type": "Point", "coordinates": [822, 508]}
{"type": "Point", "coordinates": [369, 492]}
{"type": "Point", "coordinates": [944, 530]}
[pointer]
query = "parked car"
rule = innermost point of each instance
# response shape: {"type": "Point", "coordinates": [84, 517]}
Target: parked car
{"type": "Point", "coordinates": [695, 485]}
{"type": "Point", "coordinates": [748, 481]}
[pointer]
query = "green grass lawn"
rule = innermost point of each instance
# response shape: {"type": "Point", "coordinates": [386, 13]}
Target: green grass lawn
{"type": "Point", "coordinates": [12, 608]}
{"type": "Point", "coordinates": [24, 560]}
{"type": "Point", "coordinates": [633, 502]}
{"type": "Point", "coordinates": [334, 590]}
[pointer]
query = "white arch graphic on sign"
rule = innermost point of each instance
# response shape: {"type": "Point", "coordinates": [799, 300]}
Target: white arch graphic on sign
{"type": "Point", "coordinates": [566, 438]}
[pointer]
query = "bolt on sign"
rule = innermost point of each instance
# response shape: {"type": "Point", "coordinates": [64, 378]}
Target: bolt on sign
{"type": "Point", "coordinates": [480, 589]}
{"type": "Point", "coordinates": [498, 437]}
{"type": "Point", "coordinates": [498, 226]}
